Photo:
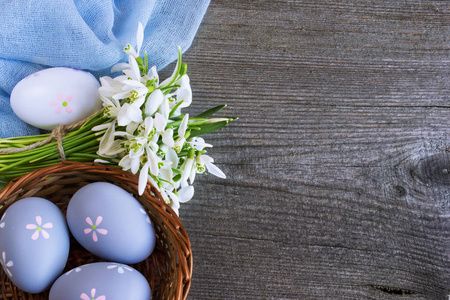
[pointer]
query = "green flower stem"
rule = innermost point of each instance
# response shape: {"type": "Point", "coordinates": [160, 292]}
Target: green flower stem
{"type": "Point", "coordinates": [79, 145]}
{"type": "Point", "coordinates": [19, 142]}
{"type": "Point", "coordinates": [25, 160]}
{"type": "Point", "coordinates": [175, 78]}
{"type": "Point", "coordinates": [211, 111]}
{"type": "Point", "coordinates": [44, 157]}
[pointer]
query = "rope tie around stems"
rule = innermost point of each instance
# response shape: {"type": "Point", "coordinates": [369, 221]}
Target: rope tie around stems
{"type": "Point", "coordinates": [56, 134]}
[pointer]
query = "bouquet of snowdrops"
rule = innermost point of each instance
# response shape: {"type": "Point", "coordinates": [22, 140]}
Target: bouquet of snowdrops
{"type": "Point", "coordinates": [141, 129]}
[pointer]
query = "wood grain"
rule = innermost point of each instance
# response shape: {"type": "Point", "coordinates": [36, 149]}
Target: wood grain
{"type": "Point", "coordinates": [338, 168]}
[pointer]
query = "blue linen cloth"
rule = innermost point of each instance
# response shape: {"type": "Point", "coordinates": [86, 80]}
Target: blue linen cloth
{"type": "Point", "coordinates": [88, 35]}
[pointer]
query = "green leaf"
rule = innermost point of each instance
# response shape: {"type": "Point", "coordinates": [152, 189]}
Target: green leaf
{"type": "Point", "coordinates": [177, 118]}
{"type": "Point", "coordinates": [207, 128]}
{"type": "Point", "coordinates": [183, 69]}
{"type": "Point", "coordinates": [146, 63]}
{"type": "Point", "coordinates": [211, 111]}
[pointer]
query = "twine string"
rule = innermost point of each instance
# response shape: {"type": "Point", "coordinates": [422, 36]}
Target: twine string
{"type": "Point", "coordinates": [56, 134]}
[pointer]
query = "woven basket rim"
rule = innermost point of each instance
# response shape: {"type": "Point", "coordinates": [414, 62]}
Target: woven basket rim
{"type": "Point", "coordinates": [35, 180]}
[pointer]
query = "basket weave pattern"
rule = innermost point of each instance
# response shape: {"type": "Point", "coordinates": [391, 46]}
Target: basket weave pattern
{"type": "Point", "coordinates": [168, 269]}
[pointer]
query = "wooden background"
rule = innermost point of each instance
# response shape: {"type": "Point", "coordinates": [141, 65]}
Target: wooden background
{"type": "Point", "coordinates": [338, 167]}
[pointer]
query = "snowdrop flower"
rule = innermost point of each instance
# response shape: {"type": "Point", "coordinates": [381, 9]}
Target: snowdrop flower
{"type": "Point", "coordinates": [181, 133]}
{"type": "Point", "coordinates": [139, 39]}
{"type": "Point", "coordinates": [133, 74]}
{"type": "Point", "coordinates": [111, 106]}
{"type": "Point", "coordinates": [166, 134]}
{"type": "Point", "coordinates": [130, 50]}
{"type": "Point", "coordinates": [152, 74]}
{"type": "Point", "coordinates": [185, 193]}
{"type": "Point", "coordinates": [129, 113]}
{"type": "Point", "coordinates": [166, 174]}
{"type": "Point", "coordinates": [171, 199]}
{"type": "Point", "coordinates": [109, 87]}
{"type": "Point", "coordinates": [142, 135]}
{"type": "Point", "coordinates": [198, 143]}
{"type": "Point", "coordinates": [108, 147]}
{"type": "Point", "coordinates": [212, 168]}
{"type": "Point", "coordinates": [143, 148]}
{"type": "Point", "coordinates": [187, 166]}
{"type": "Point", "coordinates": [182, 94]}
{"type": "Point", "coordinates": [172, 156]}
{"type": "Point", "coordinates": [183, 126]}
{"type": "Point", "coordinates": [119, 67]}
{"type": "Point", "coordinates": [153, 102]}
{"type": "Point", "coordinates": [137, 145]}
{"type": "Point", "coordinates": [164, 108]}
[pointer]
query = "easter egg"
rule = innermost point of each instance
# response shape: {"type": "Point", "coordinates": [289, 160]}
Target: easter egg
{"type": "Point", "coordinates": [56, 96]}
{"type": "Point", "coordinates": [110, 223]}
{"type": "Point", "coordinates": [101, 281]}
{"type": "Point", "coordinates": [34, 243]}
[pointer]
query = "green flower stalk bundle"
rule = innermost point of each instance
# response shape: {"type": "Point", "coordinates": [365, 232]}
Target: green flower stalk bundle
{"type": "Point", "coordinates": [140, 129]}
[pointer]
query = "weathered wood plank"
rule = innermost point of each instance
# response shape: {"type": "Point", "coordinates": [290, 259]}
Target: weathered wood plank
{"type": "Point", "coordinates": [338, 167]}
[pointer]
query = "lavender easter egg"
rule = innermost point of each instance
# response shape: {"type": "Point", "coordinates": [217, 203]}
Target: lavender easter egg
{"type": "Point", "coordinates": [56, 96]}
{"type": "Point", "coordinates": [101, 281]}
{"type": "Point", "coordinates": [110, 223]}
{"type": "Point", "coordinates": [34, 243]}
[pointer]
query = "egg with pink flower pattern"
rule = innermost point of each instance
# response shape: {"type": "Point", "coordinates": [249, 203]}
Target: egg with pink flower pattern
{"type": "Point", "coordinates": [34, 243]}
{"type": "Point", "coordinates": [110, 223]}
{"type": "Point", "coordinates": [101, 281]}
{"type": "Point", "coordinates": [56, 96]}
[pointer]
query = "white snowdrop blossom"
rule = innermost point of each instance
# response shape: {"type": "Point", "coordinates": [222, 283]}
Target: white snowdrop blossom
{"type": "Point", "coordinates": [147, 132]}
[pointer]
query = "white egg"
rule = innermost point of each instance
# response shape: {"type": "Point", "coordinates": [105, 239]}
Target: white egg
{"type": "Point", "coordinates": [56, 96]}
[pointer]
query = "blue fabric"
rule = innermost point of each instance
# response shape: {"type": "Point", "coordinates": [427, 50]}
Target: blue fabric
{"type": "Point", "coordinates": [87, 35]}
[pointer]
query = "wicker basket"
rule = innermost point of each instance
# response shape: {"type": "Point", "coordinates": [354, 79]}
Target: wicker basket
{"type": "Point", "coordinates": [168, 269]}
